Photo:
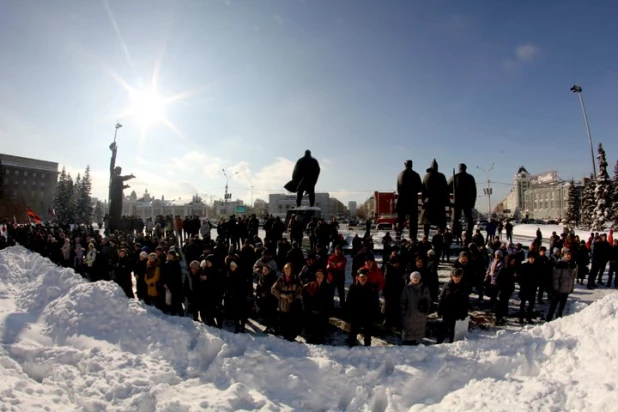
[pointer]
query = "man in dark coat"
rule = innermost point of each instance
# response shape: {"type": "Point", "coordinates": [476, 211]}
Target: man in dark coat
{"type": "Point", "coordinates": [453, 306]}
{"type": "Point", "coordinates": [304, 178]}
{"type": "Point", "coordinates": [463, 186]}
{"type": "Point", "coordinates": [361, 305]}
{"type": "Point", "coordinates": [318, 303]}
{"type": "Point", "coordinates": [527, 275]}
{"type": "Point", "coordinates": [435, 198]}
{"type": "Point", "coordinates": [408, 187]}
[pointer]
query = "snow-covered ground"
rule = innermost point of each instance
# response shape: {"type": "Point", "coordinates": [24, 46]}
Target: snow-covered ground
{"type": "Point", "coordinates": [68, 345]}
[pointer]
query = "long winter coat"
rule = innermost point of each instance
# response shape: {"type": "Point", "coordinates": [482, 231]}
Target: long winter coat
{"type": "Point", "coordinates": [152, 277]}
{"type": "Point", "coordinates": [435, 196]}
{"type": "Point", "coordinates": [408, 187]}
{"type": "Point", "coordinates": [362, 302]}
{"type": "Point", "coordinates": [283, 288]}
{"type": "Point", "coordinates": [464, 189]}
{"type": "Point", "coordinates": [453, 301]}
{"type": "Point", "coordinates": [415, 303]}
{"type": "Point", "coordinates": [528, 278]}
{"type": "Point", "coordinates": [306, 172]}
{"type": "Point", "coordinates": [563, 277]}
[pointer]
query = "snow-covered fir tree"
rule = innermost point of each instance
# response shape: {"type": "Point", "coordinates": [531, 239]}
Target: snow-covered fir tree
{"type": "Point", "coordinates": [60, 197]}
{"type": "Point", "coordinates": [75, 195]}
{"type": "Point", "coordinates": [603, 192]}
{"type": "Point", "coordinates": [98, 212]}
{"type": "Point", "coordinates": [615, 198]}
{"type": "Point", "coordinates": [572, 217]}
{"type": "Point", "coordinates": [588, 204]}
{"type": "Point", "coordinates": [83, 203]}
{"type": "Point", "coordinates": [70, 206]}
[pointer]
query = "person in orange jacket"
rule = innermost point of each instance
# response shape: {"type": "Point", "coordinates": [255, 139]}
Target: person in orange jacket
{"type": "Point", "coordinates": [336, 273]}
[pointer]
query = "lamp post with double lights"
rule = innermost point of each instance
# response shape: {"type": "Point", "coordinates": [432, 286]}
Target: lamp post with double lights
{"type": "Point", "coordinates": [578, 89]}
{"type": "Point", "coordinates": [487, 190]}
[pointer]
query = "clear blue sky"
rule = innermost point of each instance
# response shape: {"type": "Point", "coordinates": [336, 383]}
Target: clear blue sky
{"type": "Point", "coordinates": [364, 84]}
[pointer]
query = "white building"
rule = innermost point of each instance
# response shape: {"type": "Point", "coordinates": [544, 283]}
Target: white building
{"type": "Point", "coordinates": [147, 206]}
{"type": "Point", "coordinates": [279, 204]}
{"type": "Point", "coordinates": [515, 202]}
{"type": "Point", "coordinates": [352, 209]}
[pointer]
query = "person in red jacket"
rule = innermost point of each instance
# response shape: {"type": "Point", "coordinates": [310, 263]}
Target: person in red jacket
{"type": "Point", "coordinates": [374, 273]}
{"type": "Point", "coordinates": [336, 273]}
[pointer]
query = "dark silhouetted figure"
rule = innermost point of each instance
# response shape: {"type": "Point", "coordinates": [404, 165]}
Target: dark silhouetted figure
{"type": "Point", "coordinates": [408, 187]}
{"type": "Point", "coordinates": [463, 186]}
{"type": "Point", "coordinates": [116, 186]}
{"type": "Point", "coordinates": [304, 178]}
{"type": "Point", "coordinates": [435, 198]}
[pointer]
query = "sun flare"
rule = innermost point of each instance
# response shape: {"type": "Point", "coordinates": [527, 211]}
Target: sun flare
{"type": "Point", "coordinates": [147, 107]}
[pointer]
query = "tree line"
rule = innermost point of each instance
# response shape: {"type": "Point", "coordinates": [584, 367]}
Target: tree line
{"type": "Point", "coordinates": [597, 206]}
{"type": "Point", "coordinates": [72, 202]}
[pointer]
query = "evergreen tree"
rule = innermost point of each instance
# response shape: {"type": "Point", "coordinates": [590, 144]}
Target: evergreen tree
{"type": "Point", "coordinates": [60, 198]}
{"type": "Point", "coordinates": [615, 197]}
{"type": "Point", "coordinates": [587, 210]}
{"type": "Point", "coordinates": [98, 212]}
{"type": "Point", "coordinates": [75, 198]}
{"type": "Point", "coordinates": [83, 202]}
{"type": "Point", "coordinates": [70, 196]}
{"type": "Point", "coordinates": [603, 191]}
{"type": "Point", "coordinates": [572, 217]}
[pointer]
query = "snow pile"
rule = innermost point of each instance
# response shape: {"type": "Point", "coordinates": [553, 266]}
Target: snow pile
{"type": "Point", "coordinates": [84, 346]}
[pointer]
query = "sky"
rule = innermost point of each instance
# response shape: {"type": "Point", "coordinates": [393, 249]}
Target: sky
{"type": "Point", "coordinates": [248, 86]}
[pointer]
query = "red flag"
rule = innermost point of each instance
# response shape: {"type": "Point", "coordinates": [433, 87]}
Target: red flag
{"type": "Point", "coordinates": [34, 216]}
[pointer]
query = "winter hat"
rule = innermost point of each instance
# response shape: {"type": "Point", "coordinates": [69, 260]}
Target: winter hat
{"type": "Point", "coordinates": [152, 255]}
{"type": "Point", "coordinates": [362, 272]}
{"type": "Point", "coordinates": [556, 250]}
{"type": "Point", "coordinates": [463, 253]}
{"type": "Point", "coordinates": [369, 257]}
{"type": "Point", "coordinates": [499, 253]}
{"type": "Point", "coordinates": [233, 264]}
{"type": "Point", "coordinates": [194, 264]}
{"type": "Point", "coordinates": [210, 258]}
{"type": "Point", "coordinates": [565, 250]}
{"type": "Point", "coordinates": [143, 255]}
{"type": "Point", "coordinates": [431, 253]}
{"type": "Point", "coordinates": [172, 253]}
{"type": "Point", "coordinates": [415, 275]}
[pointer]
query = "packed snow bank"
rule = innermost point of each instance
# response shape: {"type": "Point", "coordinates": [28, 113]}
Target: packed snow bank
{"type": "Point", "coordinates": [72, 345]}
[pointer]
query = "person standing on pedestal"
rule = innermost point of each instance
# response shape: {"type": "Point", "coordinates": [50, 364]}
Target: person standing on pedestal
{"type": "Point", "coordinates": [435, 198]}
{"type": "Point", "coordinates": [304, 178]}
{"type": "Point", "coordinates": [116, 186]}
{"type": "Point", "coordinates": [463, 186]}
{"type": "Point", "coordinates": [408, 186]}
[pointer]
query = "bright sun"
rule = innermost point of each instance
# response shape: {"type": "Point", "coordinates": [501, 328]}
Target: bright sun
{"type": "Point", "coordinates": [147, 107]}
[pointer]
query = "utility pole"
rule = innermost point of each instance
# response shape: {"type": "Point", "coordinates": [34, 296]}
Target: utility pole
{"type": "Point", "coordinates": [487, 190]}
{"type": "Point", "coordinates": [578, 89]}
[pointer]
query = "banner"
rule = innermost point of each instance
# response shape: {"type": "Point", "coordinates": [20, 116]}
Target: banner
{"type": "Point", "coordinates": [34, 216]}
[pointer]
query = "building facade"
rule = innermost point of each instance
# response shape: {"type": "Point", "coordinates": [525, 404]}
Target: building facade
{"type": "Point", "coordinates": [352, 209]}
{"type": "Point", "coordinates": [542, 196]}
{"type": "Point", "coordinates": [515, 202]}
{"type": "Point", "coordinates": [31, 182]}
{"type": "Point", "coordinates": [279, 204]}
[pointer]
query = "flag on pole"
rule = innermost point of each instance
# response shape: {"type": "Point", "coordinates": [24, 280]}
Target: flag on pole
{"type": "Point", "coordinates": [118, 125]}
{"type": "Point", "coordinates": [33, 216]}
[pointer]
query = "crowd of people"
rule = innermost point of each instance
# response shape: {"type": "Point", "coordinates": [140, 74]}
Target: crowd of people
{"type": "Point", "coordinates": [292, 290]}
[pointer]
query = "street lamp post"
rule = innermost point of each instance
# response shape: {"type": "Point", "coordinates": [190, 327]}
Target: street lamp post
{"type": "Point", "coordinates": [578, 89]}
{"type": "Point", "coordinates": [488, 189]}
{"type": "Point", "coordinates": [226, 194]}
